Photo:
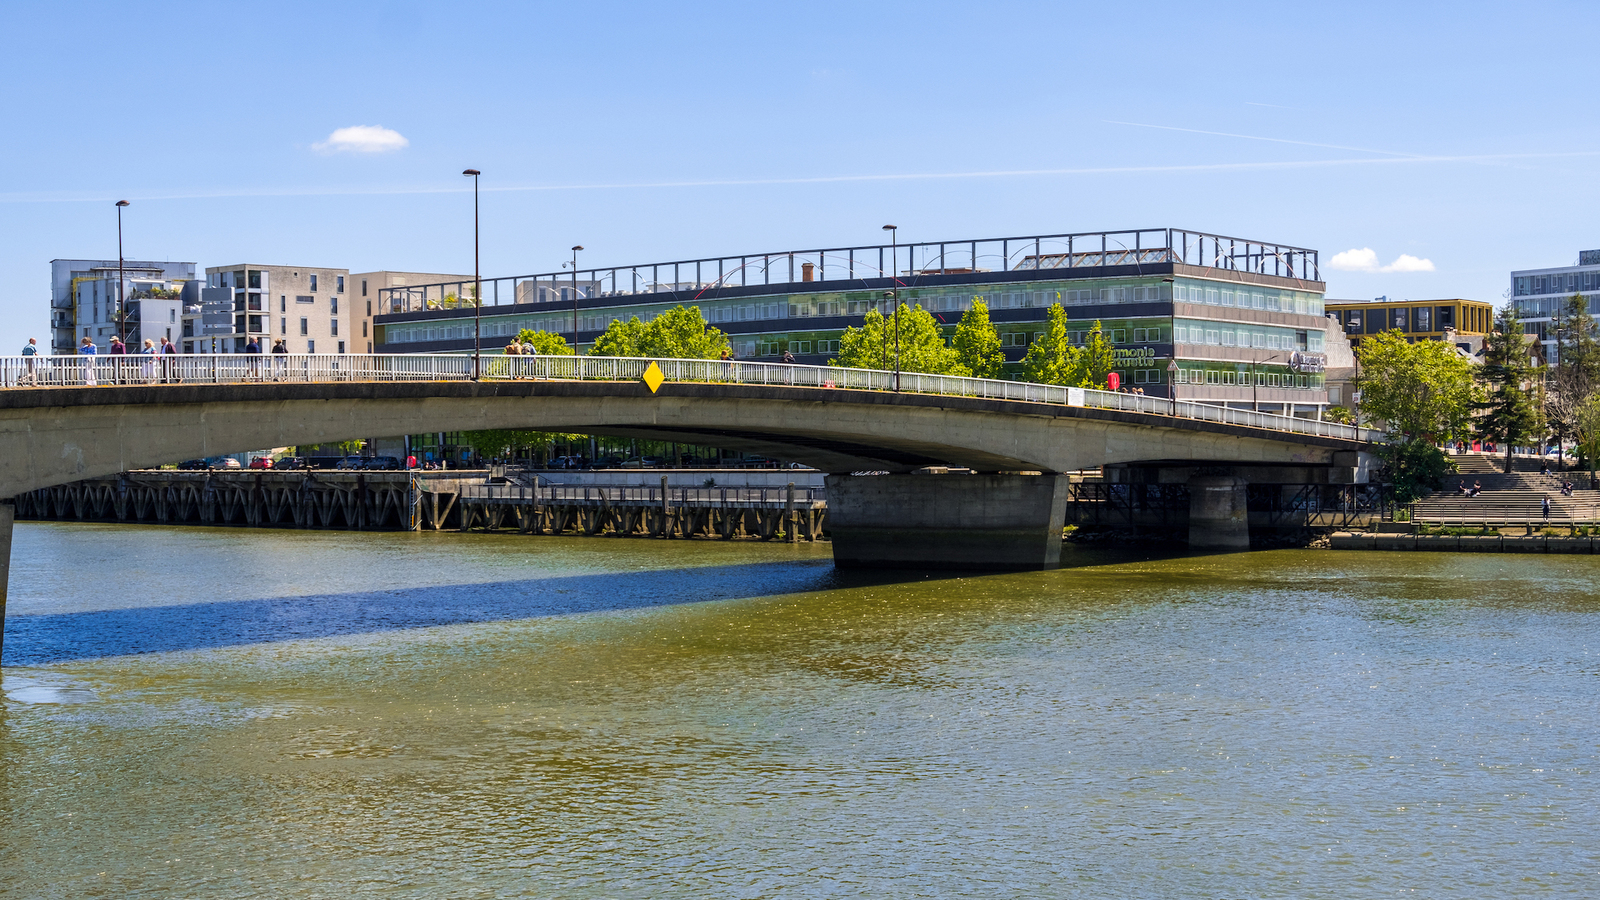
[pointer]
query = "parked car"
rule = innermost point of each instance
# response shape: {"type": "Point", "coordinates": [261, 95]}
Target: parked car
{"type": "Point", "coordinates": [634, 463]}
{"type": "Point", "coordinates": [351, 462]}
{"type": "Point", "coordinates": [223, 462]}
{"type": "Point", "coordinates": [291, 462]}
{"type": "Point", "coordinates": [261, 462]}
{"type": "Point", "coordinates": [382, 463]}
{"type": "Point", "coordinates": [190, 465]}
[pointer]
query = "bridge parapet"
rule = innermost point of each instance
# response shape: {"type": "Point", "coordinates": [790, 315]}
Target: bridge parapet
{"type": "Point", "coordinates": [94, 372]}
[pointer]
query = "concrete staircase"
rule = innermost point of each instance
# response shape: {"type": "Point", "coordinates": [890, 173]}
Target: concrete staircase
{"type": "Point", "coordinates": [1514, 498]}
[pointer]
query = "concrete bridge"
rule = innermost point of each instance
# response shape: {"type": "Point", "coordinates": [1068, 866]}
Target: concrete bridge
{"type": "Point", "coordinates": [965, 472]}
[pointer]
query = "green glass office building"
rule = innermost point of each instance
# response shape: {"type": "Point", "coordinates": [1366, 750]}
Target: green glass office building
{"type": "Point", "coordinates": [1193, 315]}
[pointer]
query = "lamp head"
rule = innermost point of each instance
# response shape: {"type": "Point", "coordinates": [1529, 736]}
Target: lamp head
{"type": "Point", "coordinates": [577, 248]}
{"type": "Point", "coordinates": [473, 172]}
{"type": "Point", "coordinates": [889, 227]}
{"type": "Point", "coordinates": [122, 203]}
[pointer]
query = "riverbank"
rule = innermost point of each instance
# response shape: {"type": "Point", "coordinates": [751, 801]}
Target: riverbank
{"type": "Point", "coordinates": [1466, 543]}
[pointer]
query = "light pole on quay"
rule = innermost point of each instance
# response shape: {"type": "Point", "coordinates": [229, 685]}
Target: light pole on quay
{"type": "Point", "coordinates": [477, 285]}
{"type": "Point", "coordinates": [122, 303]}
{"type": "Point", "coordinates": [575, 249]}
{"type": "Point", "coordinates": [894, 295]}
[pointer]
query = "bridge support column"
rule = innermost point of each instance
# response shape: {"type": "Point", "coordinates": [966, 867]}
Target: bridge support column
{"type": "Point", "coordinates": [8, 517]}
{"type": "Point", "coordinates": [947, 521]}
{"type": "Point", "coordinates": [1218, 519]}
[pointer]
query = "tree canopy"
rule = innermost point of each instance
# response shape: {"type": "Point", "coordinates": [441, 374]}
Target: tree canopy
{"type": "Point", "coordinates": [1573, 377]}
{"type": "Point", "coordinates": [922, 346]}
{"type": "Point", "coordinates": [544, 343]}
{"type": "Point", "coordinates": [679, 333]}
{"type": "Point", "coordinates": [1424, 390]}
{"type": "Point", "coordinates": [1507, 413]}
{"type": "Point", "coordinates": [1052, 359]}
{"type": "Point", "coordinates": [977, 343]}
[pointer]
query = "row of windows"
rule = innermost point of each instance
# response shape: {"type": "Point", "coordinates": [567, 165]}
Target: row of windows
{"type": "Point", "coordinates": [1558, 283]}
{"type": "Point", "coordinates": [250, 279]}
{"type": "Point", "coordinates": [1189, 331]}
{"type": "Point", "coordinates": [1298, 302]}
{"type": "Point", "coordinates": [239, 345]}
{"type": "Point", "coordinates": [1243, 377]}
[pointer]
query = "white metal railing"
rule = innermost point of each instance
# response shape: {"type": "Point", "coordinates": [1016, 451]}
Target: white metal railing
{"type": "Point", "coordinates": [64, 371]}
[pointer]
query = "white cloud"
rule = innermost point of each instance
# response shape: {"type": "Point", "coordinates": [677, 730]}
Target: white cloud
{"type": "Point", "coordinates": [1363, 260]}
{"type": "Point", "coordinates": [362, 139]}
{"type": "Point", "coordinates": [1409, 263]}
{"type": "Point", "coordinates": [1366, 260]}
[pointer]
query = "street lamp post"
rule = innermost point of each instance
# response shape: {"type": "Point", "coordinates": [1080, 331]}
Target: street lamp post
{"type": "Point", "coordinates": [894, 295]}
{"type": "Point", "coordinates": [477, 285]}
{"type": "Point", "coordinates": [575, 250]}
{"type": "Point", "coordinates": [122, 303]}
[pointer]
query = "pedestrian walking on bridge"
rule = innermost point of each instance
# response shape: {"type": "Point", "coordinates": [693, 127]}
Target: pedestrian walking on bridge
{"type": "Point", "coordinates": [29, 351]}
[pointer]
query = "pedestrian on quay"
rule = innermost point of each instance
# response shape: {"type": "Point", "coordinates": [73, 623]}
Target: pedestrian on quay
{"type": "Point", "coordinates": [29, 351]}
{"type": "Point", "coordinates": [119, 350]}
{"type": "Point", "coordinates": [148, 367]}
{"type": "Point", "coordinates": [87, 348]}
{"type": "Point", "coordinates": [169, 367]}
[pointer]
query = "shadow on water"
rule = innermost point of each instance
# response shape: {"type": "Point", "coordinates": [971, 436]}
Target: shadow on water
{"type": "Point", "coordinates": [32, 640]}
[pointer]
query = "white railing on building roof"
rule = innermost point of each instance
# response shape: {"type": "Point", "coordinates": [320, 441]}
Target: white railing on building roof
{"type": "Point", "coordinates": [104, 371]}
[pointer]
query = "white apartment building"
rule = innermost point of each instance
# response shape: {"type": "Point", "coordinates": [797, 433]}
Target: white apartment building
{"type": "Point", "coordinates": [1539, 294]}
{"type": "Point", "coordinates": [367, 287]}
{"type": "Point", "coordinates": [307, 307]}
{"type": "Point", "coordinates": [84, 296]}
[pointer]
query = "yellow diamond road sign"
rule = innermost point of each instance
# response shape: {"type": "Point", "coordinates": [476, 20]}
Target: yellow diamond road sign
{"type": "Point", "coordinates": [653, 377]}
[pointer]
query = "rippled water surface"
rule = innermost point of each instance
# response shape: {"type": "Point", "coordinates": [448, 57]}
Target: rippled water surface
{"type": "Point", "coordinates": [233, 713]}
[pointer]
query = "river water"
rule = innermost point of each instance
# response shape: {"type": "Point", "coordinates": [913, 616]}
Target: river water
{"type": "Point", "coordinates": [208, 713]}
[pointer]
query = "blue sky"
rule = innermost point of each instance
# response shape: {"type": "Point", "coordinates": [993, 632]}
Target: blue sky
{"type": "Point", "coordinates": [1457, 139]}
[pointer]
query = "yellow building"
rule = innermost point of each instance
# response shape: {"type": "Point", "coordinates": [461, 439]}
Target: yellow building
{"type": "Point", "coordinates": [1418, 319]}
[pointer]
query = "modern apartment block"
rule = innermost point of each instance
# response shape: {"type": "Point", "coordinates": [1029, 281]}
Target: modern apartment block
{"type": "Point", "coordinates": [1460, 321]}
{"type": "Point", "coordinates": [308, 307]}
{"type": "Point", "coordinates": [84, 296]}
{"type": "Point", "coordinates": [1538, 294]}
{"type": "Point", "coordinates": [1196, 316]}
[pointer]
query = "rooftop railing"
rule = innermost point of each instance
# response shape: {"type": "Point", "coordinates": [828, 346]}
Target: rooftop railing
{"type": "Point", "coordinates": [865, 266]}
{"type": "Point", "coordinates": [139, 369]}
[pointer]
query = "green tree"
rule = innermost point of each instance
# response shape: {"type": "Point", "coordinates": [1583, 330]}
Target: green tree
{"type": "Point", "coordinates": [977, 343]}
{"type": "Point", "coordinates": [1573, 377]}
{"type": "Point", "coordinates": [922, 346]}
{"type": "Point", "coordinates": [1096, 359]}
{"type": "Point", "coordinates": [1414, 468]}
{"type": "Point", "coordinates": [1424, 390]}
{"type": "Point", "coordinates": [544, 343]}
{"type": "Point", "coordinates": [1051, 359]}
{"type": "Point", "coordinates": [496, 442]}
{"type": "Point", "coordinates": [1587, 432]}
{"type": "Point", "coordinates": [1508, 413]}
{"type": "Point", "coordinates": [678, 333]}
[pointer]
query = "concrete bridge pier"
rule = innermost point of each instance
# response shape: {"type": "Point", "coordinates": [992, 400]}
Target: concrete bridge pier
{"type": "Point", "coordinates": [8, 517]}
{"type": "Point", "coordinates": [947, 521]}
{"type": "Point", "coordinates": [1218, 516]}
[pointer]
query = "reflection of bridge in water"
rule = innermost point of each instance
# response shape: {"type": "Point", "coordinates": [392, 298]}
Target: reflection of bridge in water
{"type": "Point", "coordinates": [968, 473]}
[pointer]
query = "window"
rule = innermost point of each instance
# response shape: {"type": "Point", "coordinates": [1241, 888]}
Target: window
{"type": "Point", "coordinates": [255, 325]}
{"type": "Point", "coordinates": [302, 298]}
{"type": "Point", "coordinates": [369, 309]}
{"type": "Point", "coordinates": [283, 303]}
{"type": "Point", "coordinates": [333, 327]}
{"type": "Point", "coordinates": [305, 325]}
{"type": "Point", "coordinates": [339, 289]}
{"type": "Point", "coordinates": [313, 283]}
{"type": "Point", "coordinates": [311, 346]}
{"type": "Point", "coordinates": [333, 309]}
{"type": "Point", "coordinates": [238, 324]}
{"type": "Point", "coordinates": [255, 301]}
{"type": "Point", "coordinates": [364, 293]}
{"type": "Point", "coordinates": [188, 346]}
{"type": "Point", "coordinates": [172, 315]}
{"type": "Point", "coordinates": [341, 346]}
{"type": "Point", "coordinates": [283, 326]}
{"type": "Point", "coordinates": [1118, 335]}
{"type": "Point", "coordinates": [255, 279]}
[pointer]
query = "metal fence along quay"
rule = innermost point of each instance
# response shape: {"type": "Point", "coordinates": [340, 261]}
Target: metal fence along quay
{"type": "Point", "coordinates": [26, 372]}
